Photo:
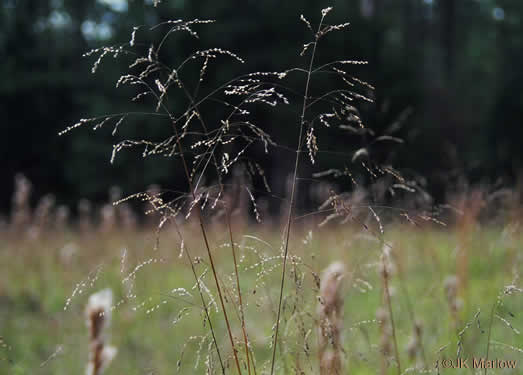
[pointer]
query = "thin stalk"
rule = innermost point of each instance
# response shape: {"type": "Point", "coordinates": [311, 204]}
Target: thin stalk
{"type": "Point", "coordinates": [237, 311]}
{"type": "Point", "coordinates": [231, 238]}
{"type": "Point", "coordinates": [202, 226]}
{"type": "Point", "coordinates": [207, 246]}
{"type": "Point", "coordinates": [391, 316]}
{"type": "Point", "coordinates": [239, 290]}
{"type": "Point", "coordinates": [207, 315]}
{"type": "Point", "coordinates": [410, 308]}
{"type": "Point", "coordinates": [490, 330]}
{"type": "Point", "coordinates": [211, 259]}
{"type": "Point", "coordinates": [293, 193]}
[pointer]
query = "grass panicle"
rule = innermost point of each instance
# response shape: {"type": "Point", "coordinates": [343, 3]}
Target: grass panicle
{"type": "Point", "coordinates": [249, 269]}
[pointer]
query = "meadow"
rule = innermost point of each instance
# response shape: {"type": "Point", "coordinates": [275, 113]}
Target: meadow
{"type": "Point", "coordinates": [158, 326]}
{"type": "Point", "coordinates": [355, 269]}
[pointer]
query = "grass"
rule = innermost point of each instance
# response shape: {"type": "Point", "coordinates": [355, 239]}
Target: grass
{"type": "Point", "coordinates": [216, 295]}
{"type": "Point", "coordinates": [42, 338]}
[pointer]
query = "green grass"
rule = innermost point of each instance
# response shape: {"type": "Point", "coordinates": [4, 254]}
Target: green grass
{"type": "Point", "coordinates": [40, 337]}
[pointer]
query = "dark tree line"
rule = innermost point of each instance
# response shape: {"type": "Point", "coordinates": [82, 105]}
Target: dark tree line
{"type": "Point", "coordinates": [452, 66]}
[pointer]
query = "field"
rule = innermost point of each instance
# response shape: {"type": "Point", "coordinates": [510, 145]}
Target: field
{"type": "Point", "coordinates": [280, 240]}
{"type": "Point", "coordinates": [459, 286]}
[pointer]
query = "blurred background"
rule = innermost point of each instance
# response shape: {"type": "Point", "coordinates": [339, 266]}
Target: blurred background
{"type": "Point", "coordinates": [447, 75]}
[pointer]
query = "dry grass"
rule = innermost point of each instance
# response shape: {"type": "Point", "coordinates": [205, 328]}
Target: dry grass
{"type": "Point", "coordinates": [159, 325]}
{"type": "Point", "coordinates": [98, 313]}
{"type": "Point", "coordinates": [220, 293]}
